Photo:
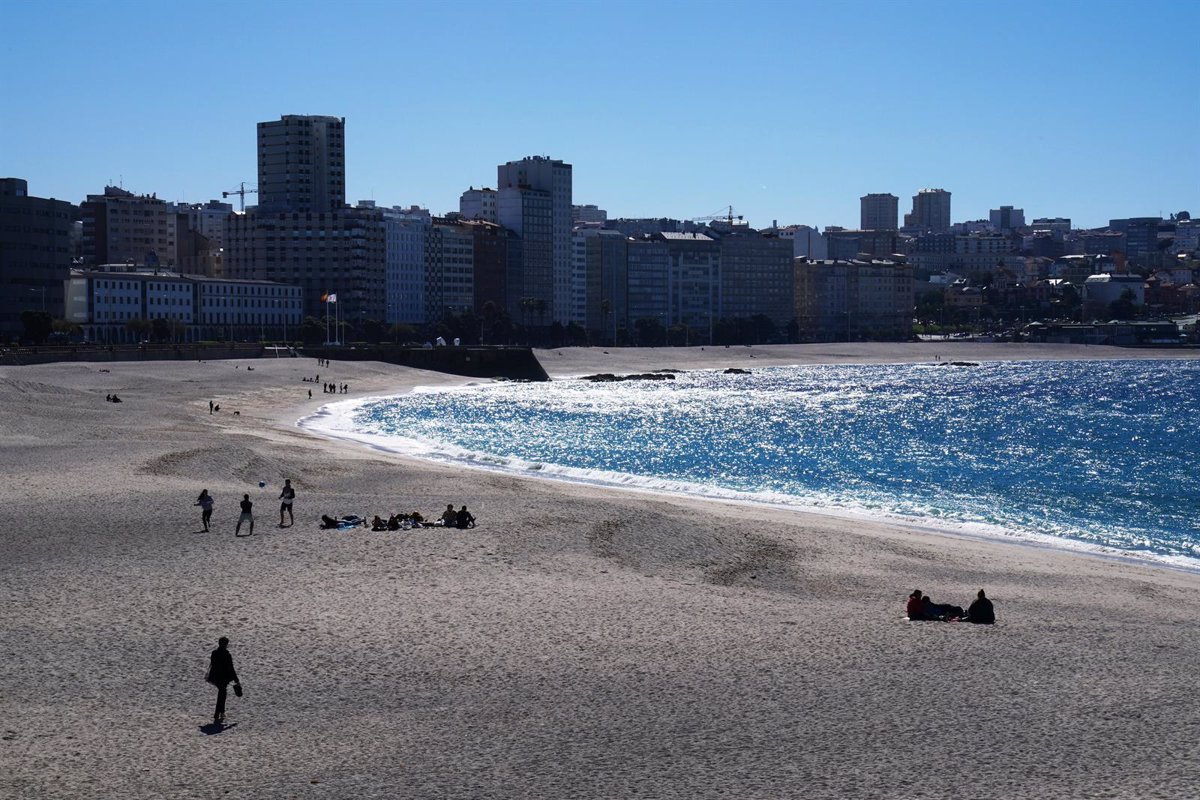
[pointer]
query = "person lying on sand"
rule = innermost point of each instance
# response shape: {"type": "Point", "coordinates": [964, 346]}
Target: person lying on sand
{"type": "Point", "coordinates": [921, 607]}
{"type": "Point", "coordinates": [345, 521]}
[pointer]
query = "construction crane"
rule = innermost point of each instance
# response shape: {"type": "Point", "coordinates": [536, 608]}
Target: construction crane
{"type": "Point", "coordinates": [728, 217]}
{"type": "Point", "coordinates": [241, 192]}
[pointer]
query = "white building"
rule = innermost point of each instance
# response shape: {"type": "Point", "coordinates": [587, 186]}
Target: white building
{"type": "Point", "coordinates": [1187, 236]}
{"type": "Point", "coordinates": [405, 263]}
{"type": "Point", "coordinates": [114, 306]}
{"type": "Point", "coordinates": [478, 204]}
{"type": "Point", "coordinates": [807, 242]}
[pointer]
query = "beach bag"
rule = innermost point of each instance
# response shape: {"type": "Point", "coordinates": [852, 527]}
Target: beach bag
{"type": "Point", "coordinates": [237, 689]}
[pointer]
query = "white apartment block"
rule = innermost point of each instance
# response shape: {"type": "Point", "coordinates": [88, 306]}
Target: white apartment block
{"type": "Point", "coordinates": [405, 232]}
{"type": "Point", "coordinates": [478, 204]}
{"type": "Point", "coordinates": [110, 304]}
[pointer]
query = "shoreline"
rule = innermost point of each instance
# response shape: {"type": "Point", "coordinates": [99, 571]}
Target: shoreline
{"type": "Point", "coordinates": [580, 642]}
{"type": "Point", "coordinates": [652, 486]}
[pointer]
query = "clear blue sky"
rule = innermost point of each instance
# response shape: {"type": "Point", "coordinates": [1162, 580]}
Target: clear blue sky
{"type": "Point", "coordinates": [789, 111]}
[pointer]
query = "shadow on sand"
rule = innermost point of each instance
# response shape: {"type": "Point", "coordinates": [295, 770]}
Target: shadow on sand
{"type": "Point", "coordinates": [213, 728]}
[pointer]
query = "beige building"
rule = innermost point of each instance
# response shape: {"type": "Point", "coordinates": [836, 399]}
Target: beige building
{"type": "Point", "coordinates": [853, 300]}
{"type": "Point", "coordinates": [120, 227]}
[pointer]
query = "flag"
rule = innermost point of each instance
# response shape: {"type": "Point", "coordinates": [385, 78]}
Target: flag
{"type": "Point", "coordinates": [332, 298]}
{"type": "Point", "coordinates": [325, 297]}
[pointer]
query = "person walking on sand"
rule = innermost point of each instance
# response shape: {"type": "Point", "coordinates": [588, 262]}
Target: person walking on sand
{"type": "Point", "coordinates": [205, 502]}
{"type": "Point", "coordinates": [210, 406]}
{"type": "Point", "coordinates": [247, 515]}
{"type": "Point", "coordinates": [220, 674]}
{"type": "Point", "coordinates": [285, 502]}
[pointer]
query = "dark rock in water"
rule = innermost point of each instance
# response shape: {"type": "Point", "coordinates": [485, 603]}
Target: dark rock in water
{"type": "Point", "coordinates": [608, 377]}
{"type": "Point", "coordinates": [670, 371]}
{"type": "Point", "coordinates": [737, 371]}
{"type": "Point", "coordinates": [955, 364]}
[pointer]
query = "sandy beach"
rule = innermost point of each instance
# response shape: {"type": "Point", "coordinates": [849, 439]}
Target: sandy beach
{"type": "Point", "coordinates": [581, 642]}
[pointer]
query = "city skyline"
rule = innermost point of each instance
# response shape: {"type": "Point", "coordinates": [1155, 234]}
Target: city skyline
{"type": "Point", "coordinates": [662, 113]}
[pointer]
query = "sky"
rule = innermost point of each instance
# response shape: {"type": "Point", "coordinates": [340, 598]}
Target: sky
{"type": "Point", "coordinates": [786, 111]}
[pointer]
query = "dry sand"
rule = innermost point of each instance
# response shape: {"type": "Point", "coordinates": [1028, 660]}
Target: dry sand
{"type": "Point", "coordinates": [580, 643]}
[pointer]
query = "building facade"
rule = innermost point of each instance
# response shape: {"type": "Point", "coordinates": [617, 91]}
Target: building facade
{"type": "Point", "coordinates": [302, 164]}
{"type": "Point", "coordinates": [529, 214]}
{"type": "Point", "coordinates": [302, 231]}
{"type": "Point", "coordinates": [1007, 218]}
{"type": "Point", "coordinates": [478, 204]}
{"type": "Point", "coordinates": [853, 300]}
{"type": "Point", "coordinates": [879, 212]}
{"type": "Point", "coordinates": [339, 252]}
{"type": "Point", "coordinates": [930, 211]}
{"type": "Point", "coordinates": [35, 254]}
{"type": "Point", "coordinates": [449, 268]}
{"type": "Point", "coordinates": [404, 264]}
{"type": "Point", "coordinates": [554, 178]}
{"type": "Point", "coordinates": [757, 276]}
{"type": "Point", "coordinates": [120, 227]}
{"type": "Point", "coordinates": [117, 306]}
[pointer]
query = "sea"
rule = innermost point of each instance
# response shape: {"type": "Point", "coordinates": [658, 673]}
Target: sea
{"type": "Point", "coordinates": [1092, 455]}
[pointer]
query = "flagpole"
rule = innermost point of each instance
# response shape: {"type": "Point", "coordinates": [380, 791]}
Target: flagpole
{"type": "Point", "coordinates": [327, 318]}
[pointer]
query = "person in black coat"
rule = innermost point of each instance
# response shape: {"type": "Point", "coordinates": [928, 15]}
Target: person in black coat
{"type": "Point", "coordinates": [220, 674]}
{"type": "Point", "coordinates": [981, 611]}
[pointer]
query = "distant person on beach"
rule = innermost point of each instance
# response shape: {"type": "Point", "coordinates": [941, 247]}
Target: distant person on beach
{"type": "Point", "coordinates": [377, 524]}
{"type": "Point", "coordinates": [205, 502]}
{"type": "Point", "coordinates": [981, 611]}
{"type": "Point", "coordinates": [285, 502]}
{"type": "Point", "coordinates": [449, 516]}
{"type": "Point", "coordinates": [220, 674]}
{"type": "Point", "coordinates": [464, 519]}
{"type": "Point", "coordinates": [247, 515]}
{"type": "Point", "coordinates": [210, 406]}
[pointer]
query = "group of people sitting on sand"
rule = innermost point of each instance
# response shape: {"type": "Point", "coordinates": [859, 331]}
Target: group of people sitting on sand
{"type": "Point", "coordinates": [921, 607]}
{"type": "Point", "coordinates": [397, 522]}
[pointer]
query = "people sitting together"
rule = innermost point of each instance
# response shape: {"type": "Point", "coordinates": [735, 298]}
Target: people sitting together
{"type": "Point", "coordinates": [921, 607]}
{"type": "Point", "coordinates": [396, 522]}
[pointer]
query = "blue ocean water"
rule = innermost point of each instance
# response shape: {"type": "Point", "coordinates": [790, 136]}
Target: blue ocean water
{"type": "Point", "coordinates": [1092, 453]}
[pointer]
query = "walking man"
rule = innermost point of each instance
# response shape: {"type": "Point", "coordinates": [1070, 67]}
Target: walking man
{"type": "Point", "coordinates": [245, 516]}
{"type": "Point", "coordinates": [220, 674]}
{"type": "Point", "coordinates": [210, 406]}
{"type": "Point", "coordinates": [285, 502]}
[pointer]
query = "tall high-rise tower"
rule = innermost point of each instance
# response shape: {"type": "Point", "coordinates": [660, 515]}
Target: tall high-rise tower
{"type": "Point", "coordinates": [302, 164]}
{"type": "Point", "coordinates": [553, 178]}
{"type": "Point", "coordinates": [931, 211]}
{"type": "Point", "coordinates": [880, 212]}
